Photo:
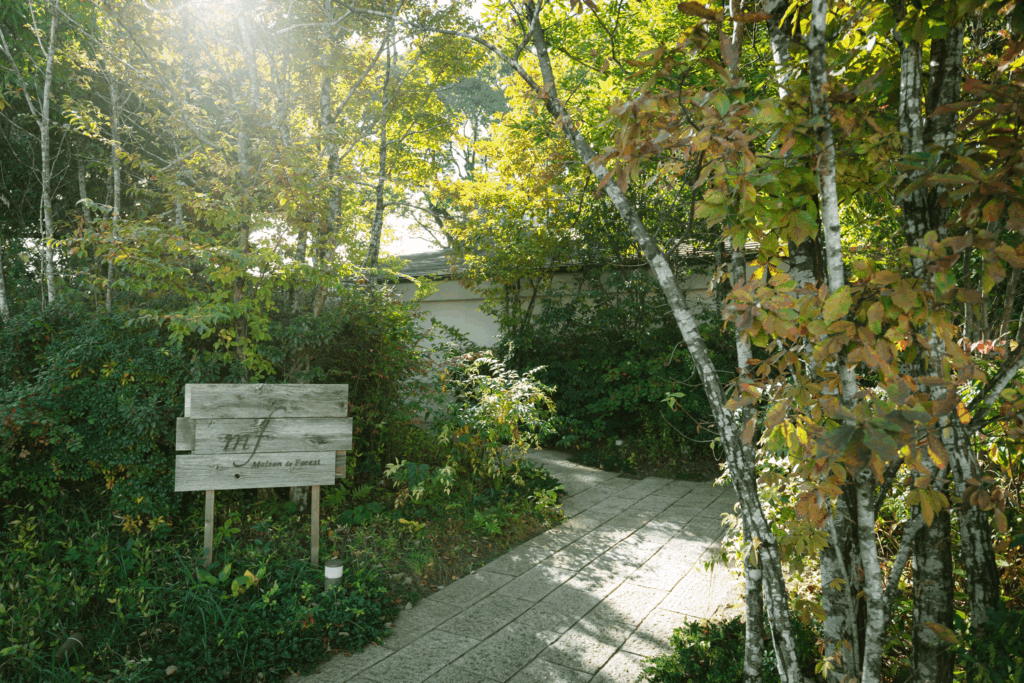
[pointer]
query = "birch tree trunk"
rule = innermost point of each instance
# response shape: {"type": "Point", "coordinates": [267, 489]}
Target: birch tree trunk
{"type": "Point", "coordinates": [377, 225]}
{"type": "Point", "coordinates": [739, 455]}
{"type": "Point", "coordinates": [41, 117]}
{"type": "Point", "coordinates": [753, 647]}
{"type": "Point", "coordinates": [115, 175]}
{"type": "Point", "coordinates": [859, 526]}
{"type": "Point", "coordinates": [839, 560]}
{"type": "Point", "coordinates": [5, 311]}
{"type": "Point", "coordinates": [46, 170]}
{"type": "Point", "coordinates": [923, 212]}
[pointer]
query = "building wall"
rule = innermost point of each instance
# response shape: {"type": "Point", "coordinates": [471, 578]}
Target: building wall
{"type": "Point", "coordinates": [455, 305]}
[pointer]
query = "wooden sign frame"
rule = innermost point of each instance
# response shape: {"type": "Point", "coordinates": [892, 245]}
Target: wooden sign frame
{"type": "Point", "coordinates": [238, 436]}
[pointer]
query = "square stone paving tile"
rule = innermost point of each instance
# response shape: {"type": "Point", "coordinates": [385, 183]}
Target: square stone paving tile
{"type": "Point", "coordinates": [704, 496]}
{"type": "Point", "coordinates": [453, 674]}
{"type": "Point", "coordinates": [518, 560]}
{"type": "Point", "coordinates": [656, 533]}
{"type": "Point", "coordinates": [555, 539]}
{"type": "Point", "coordinates": [420, 660]}
{"type": "Point", "coordinates": [581, 480]}
{"type": "Point", "coordinates": [654, 503]}
{"type": "Point", "coordinates": [632, 518]}
{"type": "Point", "coordinates": [664, 570]}
{"type": "Point", "coordinates": [506, 652]}
{"type": "Point", "coordinates": [486, 617]}
{"type": "Point", "coordinates": [702, 530]}
{"type": "Point", "coordinates": [592, 495]}
{"type": "Point", "coordinates": [580, 553]}
{"type": "Point", "coordinates": [633, 551]}
{"type": "Point", "coordinates": [572, 507]}
{"type": "Point", "coordinates": [628, 604]}
{"type": "Point", "coordinates": [645, 487]}
{"type": "Point", "coordinates": [675, 519]}
{"type": "Point", "coordinates": [652, 637]}
{"type": "Point", "coordinates": [601, 577]}
{"type": "Point", "coordinates": [588, 645]}
{"type": "Point", "coordinates": [570, 601]}
{"type": "Point", "coordinates": [342, 667]}
{"type": "Point", "coordinates": [471, 588]}
{"type": "Point", "coordinates": [541, 671]}
{"type": "Point", "coordinates": [609, 507]}
{"type": "Point", "coordinates": [678, 488]}
{"type": "Point", "coordinates": [624, 667]}
{"type": "Point", "coordinates": [716, 509]}
{"type": "Point", "coordinates": [701, 593]}
{"type": "Point", "coordinates": [611, 487]}
{"type": "Point", "coordinates": [586, 521]}
{"type": "Point", "coordinates": [413, 623]}
{"type": "Point", "coordinates": [545, 617]}
{"type": "Point", "coordinates": [611, 532]}
{"type": "Point", "coordinates": [536, 583]}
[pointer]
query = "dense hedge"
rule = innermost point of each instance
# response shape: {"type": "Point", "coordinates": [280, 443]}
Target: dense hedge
{"type": "Point", "coordinates": [91, 396]}
{"type": "Point", "coordinates": [611, 349]}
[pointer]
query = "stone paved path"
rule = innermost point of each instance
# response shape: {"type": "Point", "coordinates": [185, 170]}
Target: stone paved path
{"type": "Point", "coordinates": [584, 602]}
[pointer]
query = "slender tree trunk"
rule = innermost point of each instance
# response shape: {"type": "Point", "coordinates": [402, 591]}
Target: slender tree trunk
{"type": "Point", "coordinates": [923, 212]}
{"type": "Point", "coordinates": [933, 595]}
{"type": "Point", "coordinates": [83, 190]}
{"type": "Point", "coordinates": [839, 560]}
{"type": "Point", "coordinates": [976, 548]}
{"type": "Point", "coordinates": [753, 648]}
{"type": "Point", "coordinates": [740, 456]}
{"type": "Point", "coordinates": [46, 171]}
{"type": "Point", "coordinates": [377, 225]}
{"type": "Point", "coordinates": [840, 585]}
{"type": "Point", "coordinates": [5, 311]}
{"type": "Point", "coordinates": [861, 524]}
{"type": "Point", "coordinates": [115, 174]}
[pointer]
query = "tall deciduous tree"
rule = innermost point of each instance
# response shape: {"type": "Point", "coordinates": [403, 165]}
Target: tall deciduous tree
{"type": "Point", "coordinates": [34, 76]}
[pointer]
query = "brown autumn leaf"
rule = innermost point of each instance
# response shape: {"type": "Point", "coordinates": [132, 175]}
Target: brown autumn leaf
{"type": "Point", "coordinates": [944, 633]}
{"type": "Point", "coordinates": [695, 9]}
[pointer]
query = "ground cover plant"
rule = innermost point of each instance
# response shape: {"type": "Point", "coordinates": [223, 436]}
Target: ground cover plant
{"type": "Point", "coordinates": [143, 605]}
{"type": "Point", "coordinates": [712, 652]}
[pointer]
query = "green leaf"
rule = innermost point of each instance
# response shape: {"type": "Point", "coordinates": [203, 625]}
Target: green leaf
{"type": "Point", "coordinates": [875, 314]}
{"type": "Point", "coordinates": [903, 296]}
{"type": "Point", "coordinates": [837, 305]}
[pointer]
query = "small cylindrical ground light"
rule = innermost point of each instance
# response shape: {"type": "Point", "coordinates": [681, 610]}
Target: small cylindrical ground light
{"type": "Point", "coordinates": [333, 570]}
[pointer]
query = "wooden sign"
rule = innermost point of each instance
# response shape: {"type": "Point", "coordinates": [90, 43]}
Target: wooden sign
{"type": "Point", "coordinates": [240, 436]}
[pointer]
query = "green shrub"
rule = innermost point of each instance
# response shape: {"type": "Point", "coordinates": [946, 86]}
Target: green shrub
{"type": "Point", "coordinates": [995, 654]}
{"type": "Point", "coordinates": [82, 397]}
{"type": "Point", "coordinates": [712, 652]}
{"type": "Point", "coordinates": [489, 416]}
{"type": "Point", "coordinates": [612, 351]}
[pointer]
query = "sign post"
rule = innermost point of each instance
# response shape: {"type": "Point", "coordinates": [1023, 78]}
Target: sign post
{"type": "Point", "coordinates": [244, 436]}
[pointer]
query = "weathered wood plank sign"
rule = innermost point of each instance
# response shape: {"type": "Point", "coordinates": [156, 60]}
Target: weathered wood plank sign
{"type": "Point", "coordinates": [240, 436]}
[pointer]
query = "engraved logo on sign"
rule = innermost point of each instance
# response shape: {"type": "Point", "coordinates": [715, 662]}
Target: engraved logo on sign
{"type": "Point", "coordinates": [232, 441]}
